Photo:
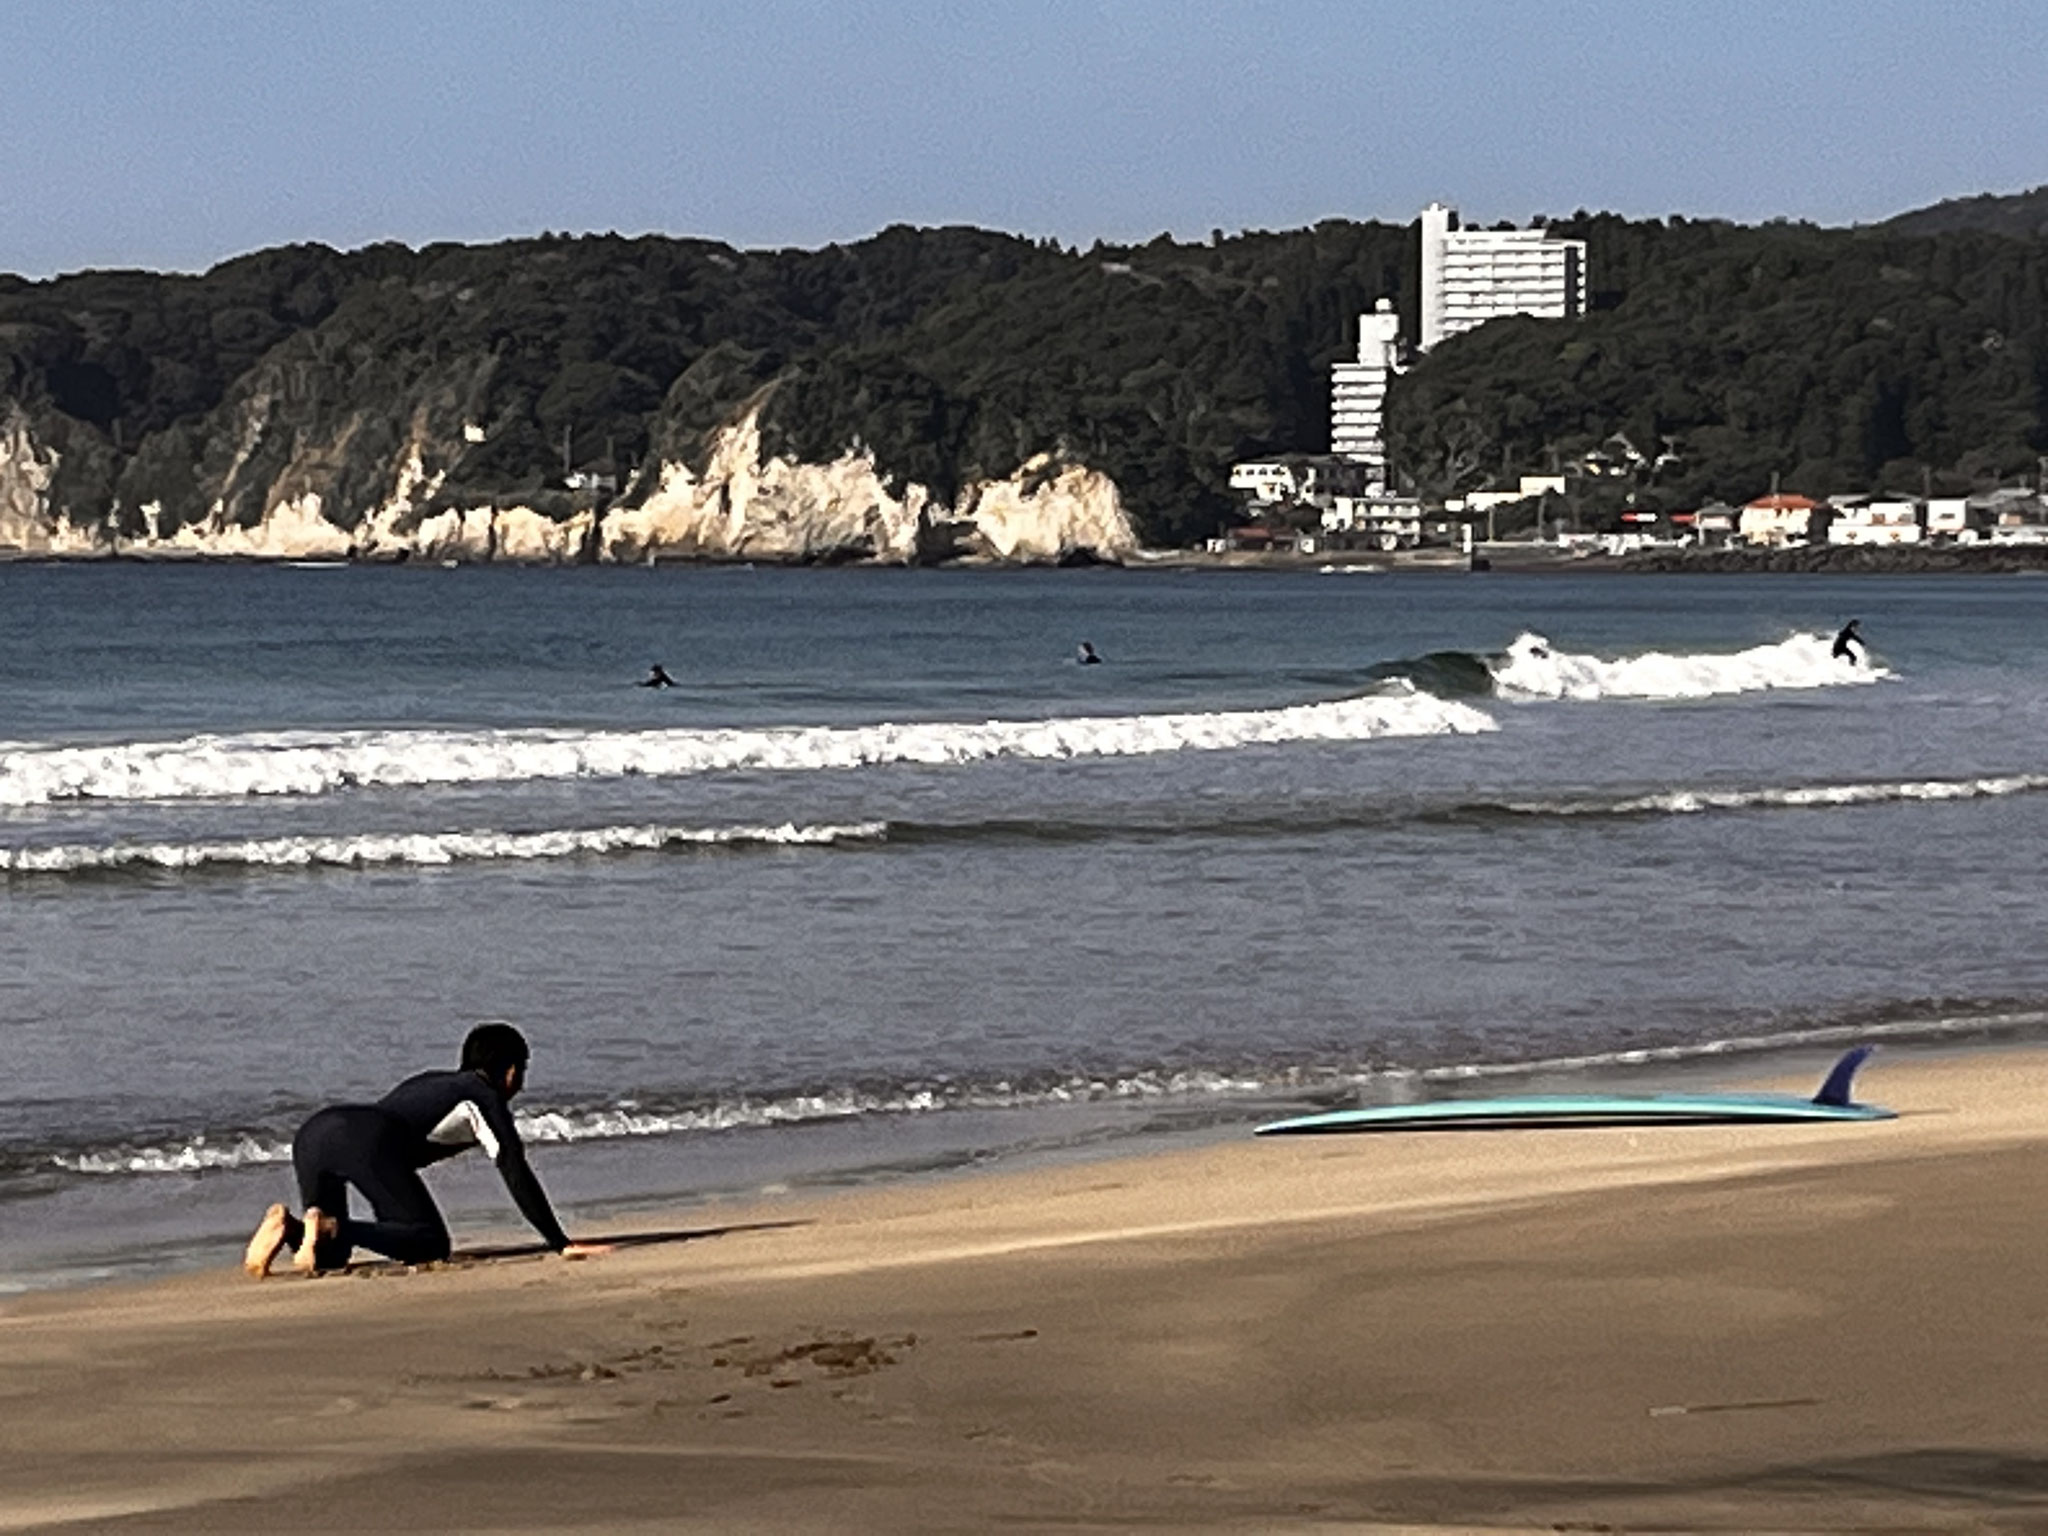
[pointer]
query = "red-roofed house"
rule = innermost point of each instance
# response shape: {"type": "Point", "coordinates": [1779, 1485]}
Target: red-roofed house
{"type": "Point", "coordinates": [1778, 520]}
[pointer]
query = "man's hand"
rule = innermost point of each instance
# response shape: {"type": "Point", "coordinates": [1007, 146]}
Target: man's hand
{"type": "Point", "coordinates": [588, 1250]}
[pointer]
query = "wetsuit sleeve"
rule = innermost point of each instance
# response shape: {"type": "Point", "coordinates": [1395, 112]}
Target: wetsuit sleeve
{"type": "Point", "coordinates": [510, 1156]}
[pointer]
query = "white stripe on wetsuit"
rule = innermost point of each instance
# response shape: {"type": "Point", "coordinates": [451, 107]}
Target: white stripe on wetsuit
{"type": "Point", "coordinates": [465, 1126]}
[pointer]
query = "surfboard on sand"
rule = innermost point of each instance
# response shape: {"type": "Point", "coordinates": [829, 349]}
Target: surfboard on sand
{"type": "Point", "coordinates": [1573, 1109]}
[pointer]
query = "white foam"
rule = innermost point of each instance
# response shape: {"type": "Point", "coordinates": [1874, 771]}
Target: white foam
{"type": "Point", "coordinates": [1684, 802]}
{"type": "Point", "coordinates": [1818, 795]}
{"type": "Point", "coordinates": [1532, 668]}
{"type": "Point", "coordinates": [301, 763]}
{"type": "Point", "coordinates": [421, 848]}
{"type": "Point", "coordinates": [198, 1155]}
{"type": "Point", "coordinates": [203, 1153]}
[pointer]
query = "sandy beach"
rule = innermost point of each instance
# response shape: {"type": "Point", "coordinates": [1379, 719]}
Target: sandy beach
{"type": "Point", "coordinates": [1774, 1328]}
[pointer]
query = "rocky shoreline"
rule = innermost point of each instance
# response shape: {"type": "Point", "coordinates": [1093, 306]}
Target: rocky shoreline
{"type": "Point", "coordinates": [974, 554]}
{"type": "Point", "coordinates": [1842, 560]}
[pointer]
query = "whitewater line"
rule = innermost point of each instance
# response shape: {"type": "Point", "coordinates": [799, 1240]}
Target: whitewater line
{"type": "Point", "coordinates": [299, 763]}
{"type": "Point", "coordinates": [1688, 802]}
{"type": "Point", "coordinates": [421, 848]}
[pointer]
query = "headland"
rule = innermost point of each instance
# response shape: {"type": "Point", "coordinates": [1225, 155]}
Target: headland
{"type": "Point", "coordinates": [931, 395]}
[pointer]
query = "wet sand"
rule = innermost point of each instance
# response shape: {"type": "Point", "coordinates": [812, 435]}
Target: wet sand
{"type": "Point", "coordinates": [1773, 1328]}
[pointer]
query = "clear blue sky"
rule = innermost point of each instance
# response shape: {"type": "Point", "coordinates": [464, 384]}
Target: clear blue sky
{"type": "Point", "coordinates": [174, 133]}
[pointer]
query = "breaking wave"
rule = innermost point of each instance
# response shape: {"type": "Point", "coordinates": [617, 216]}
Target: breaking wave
{"type": "Point", "coordinates": [304, 763]}
{"type": "Point", "coordinates": [1802, 797]}
{"type": "Point", "coordinates": [1419, 696]}
{"type": "Point", "coordinates": [1588, 804]}
{"type": "Point", "coordinates": [417, 848]}
{"type": "Point", "coordinates": [402, 849]}
{"type": "Point", "coordinates": [1531, 668]}
{"type": "Point", "coordinates": [1447, 674]}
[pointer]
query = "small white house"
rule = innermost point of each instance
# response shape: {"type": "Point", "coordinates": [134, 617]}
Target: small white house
{"type": "Point", "coordinates": [1949, 519]}
{"type": "Point", "coordinates": [1713, 524]}
{"type": "Point", "coordinates": [1876, 522]}
{"type": "Point", "coordinates": [2011, 515]}
{"type": "Point", "coordinates": [1270, 481]}
{"type": "Point", "coordinates": [1530, 487]}
{"type": "Point", "coordinates": [1388, 522]}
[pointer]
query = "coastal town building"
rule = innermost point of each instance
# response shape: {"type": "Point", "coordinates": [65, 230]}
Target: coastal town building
{"type": "Point", "coordinates": [1373, 522]}
{"type": "Point", "coordinates": [1714, 523]}
{"type": "Point", "coordinates": [1358, 391]}
{"type": "Point", "coordinates": [2010, 515]}
{"type": "Point", "coordinates": [1875, 522]}
{"type": "Point", "coordinates": [1528, 488]}
{"type": "Point", "coordinates": [1778, 520]}
{"type": "Point", "coordinates": [1296, 479]}
{"type": "Point", "coordinates": [1470, 276]}
{"type": "Point", "coordinates": [1948, 517]}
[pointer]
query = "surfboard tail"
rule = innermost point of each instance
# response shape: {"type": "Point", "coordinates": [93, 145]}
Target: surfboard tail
{"type": "Point", "coordinates": [1835, 1091]}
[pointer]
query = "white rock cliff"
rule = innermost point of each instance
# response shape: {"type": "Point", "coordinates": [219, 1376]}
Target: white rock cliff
{"type": "Point", "coordinates": [742, 507]}
{"type": "Point", "coordinates": [28, 522]}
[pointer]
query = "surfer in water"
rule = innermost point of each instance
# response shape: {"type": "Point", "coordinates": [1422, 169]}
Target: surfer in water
{"type": "Point", "coordinates": [379, 1149]}
{"type": "Point", "coordinates": [1849, 645]}
{"type": "Point", "coordinates": [657, 677]}
{"type": "Point", "coordinates": [1086, 657]}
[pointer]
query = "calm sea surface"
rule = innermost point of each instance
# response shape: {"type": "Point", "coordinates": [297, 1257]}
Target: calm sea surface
{"type": "Point", "coordinates": [889, 882]}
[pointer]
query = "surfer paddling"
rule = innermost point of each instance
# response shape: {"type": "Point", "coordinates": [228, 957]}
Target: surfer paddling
{"type": "Point", "coordinates": [1849, 644]}
{"type": "Point", "coordinates": [379, 1149]}
{"type": "Point", "coordinates": [657, 677]}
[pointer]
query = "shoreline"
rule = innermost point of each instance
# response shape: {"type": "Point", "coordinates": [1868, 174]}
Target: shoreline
{"type": "Point", "coordinates": [605, 1181]}
{"type": "Point", "coordinates": [1702, 1327]}
{"type": "Point", "coordinates": [1501, 558]}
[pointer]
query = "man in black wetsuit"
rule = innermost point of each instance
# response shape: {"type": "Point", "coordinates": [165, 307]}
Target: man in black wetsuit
{"type": "Point", "coordinates": [1848, 643]}
{"type": "Point", "coordinates": [379, 1149]}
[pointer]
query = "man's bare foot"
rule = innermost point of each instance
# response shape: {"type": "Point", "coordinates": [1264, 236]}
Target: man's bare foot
{"type": "Point", "coordinates": [268, 1242]}
{"type": "Point", "coordinates": [319, 1227]}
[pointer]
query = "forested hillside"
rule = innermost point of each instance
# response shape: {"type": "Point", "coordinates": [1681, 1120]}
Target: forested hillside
{"type": "Point", "coordinates": [1715, 356]}
{"type": "Point", "coordinates": [951, 353]}
{"type": "Point", "coordinates": [2024, 214]}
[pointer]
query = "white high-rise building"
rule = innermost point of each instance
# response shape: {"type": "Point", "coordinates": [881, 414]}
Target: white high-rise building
{"type": "Point", "coordinates": [1358, 390]}
{"type": "Point", "coordinates": [1470, 276]}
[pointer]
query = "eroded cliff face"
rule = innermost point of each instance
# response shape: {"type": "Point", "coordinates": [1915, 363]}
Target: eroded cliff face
{"type": "Point", "coordinates": [350, 491]}
{"type": "Point", "coordinates": [29, 523]}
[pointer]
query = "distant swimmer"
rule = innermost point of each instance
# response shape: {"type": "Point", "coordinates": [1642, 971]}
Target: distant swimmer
{"type": "Point", "coordinates": [1849, 644]}
{"type": "Point", "coordinates": [1086, 656]}
{"type": "Point", "coordinates": [657, 677]}
{"type": "Point", "coordinates": [379, 1149]}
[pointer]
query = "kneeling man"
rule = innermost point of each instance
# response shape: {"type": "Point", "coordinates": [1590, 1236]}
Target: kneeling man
{"type": "Point", "coordinates": [379, 1149]}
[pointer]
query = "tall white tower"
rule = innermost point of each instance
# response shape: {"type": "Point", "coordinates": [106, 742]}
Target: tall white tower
{"type": "Point", "coordinates": [1437, 224]}
{"type": "Point", "coordinates": [1358, 391]}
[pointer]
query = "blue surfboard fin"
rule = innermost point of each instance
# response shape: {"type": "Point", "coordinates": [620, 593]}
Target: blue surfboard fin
{"type": "Point", "coordinates": [1835, 1090]}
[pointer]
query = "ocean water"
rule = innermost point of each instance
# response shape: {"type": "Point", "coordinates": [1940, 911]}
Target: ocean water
{"type": "Point", "coordinates": [890, 883]}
